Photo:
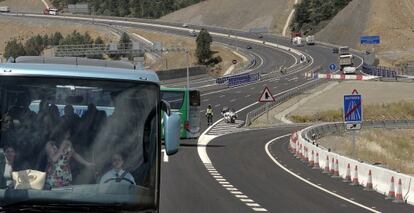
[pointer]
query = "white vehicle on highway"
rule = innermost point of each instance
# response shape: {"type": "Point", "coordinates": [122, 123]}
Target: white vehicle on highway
{"type": "Point", "coordinates": [4, 9]}
{"type": "Point", "coordinates": [297, 41]}
{"type": "Point", "coordinates": [346, 61]}
{"type": "Point", "coordinates": [349, 70]}
{"type": "Point", "coordinates": [310, 40]}
{"type": "Point", "coordinates": [185, 25]}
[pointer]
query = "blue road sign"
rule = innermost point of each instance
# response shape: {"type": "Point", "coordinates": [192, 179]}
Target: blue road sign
{"type": "Point", "coordinates": [352, 108]}
{"type": "Point", "coordinates": [369, 39]}
{"type": "Point", "coordinates": [332, 67]}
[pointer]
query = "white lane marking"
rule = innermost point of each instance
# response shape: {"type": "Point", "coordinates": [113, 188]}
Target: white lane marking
{"type": "Point", "coordinates": [233, 100]}
{"type": "Point", "coordinates": [224, 182]}
{"type": "Point", "coordinates": [308, 182]}
{"type": "Point", "coordinates": [232, 189]}
{"type": "Point", "coordinates": [241, 196]}
{"type": "Point", "coordinates": [205, 100]}
{"type": "Point", "coordinates": [252, 88]}
{"type": "Point", "coordinates": [217, 105]}
{"type": "Point", "coordinates": [217, 176]}
{"type": "Point", "coordinates": [260, 209]}
{"type": "Point", "coordinates": [222, 96]}
{"type": "Point", "coordinates": [247, 200]}
{"type": "Point", "coordinates": [253, 204]}
{"type": "Point", "coordinates": [236, 192]}
{"type": "Point", "coordinates": [220, 179]}
{"type": "Point", "coordinates": [247, 96]}
{"type": "Point", "coordinates": [227, 185]}
{"type": "Point", "coordinates": [165, 158]}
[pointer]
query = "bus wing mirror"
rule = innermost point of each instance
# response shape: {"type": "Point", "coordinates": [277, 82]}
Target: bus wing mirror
{"type": "Point", "coordinates": [172, 132]}
{"type": "Point", "coordinates": [165, 106]}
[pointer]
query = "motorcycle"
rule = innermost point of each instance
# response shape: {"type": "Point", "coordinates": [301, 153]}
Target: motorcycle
{"type": "Point", "coordinates": [229, 115]}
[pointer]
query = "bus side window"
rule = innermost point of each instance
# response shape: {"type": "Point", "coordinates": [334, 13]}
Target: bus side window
{"type": "Point", "coordinates": [194, 98]}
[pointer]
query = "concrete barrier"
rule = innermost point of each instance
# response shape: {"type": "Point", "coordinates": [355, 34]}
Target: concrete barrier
{"type": "Point", "coordinates": [381, 177]}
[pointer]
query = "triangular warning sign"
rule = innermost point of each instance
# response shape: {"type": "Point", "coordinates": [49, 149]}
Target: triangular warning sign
{"type": "Point", "coordinates": [266, 96]}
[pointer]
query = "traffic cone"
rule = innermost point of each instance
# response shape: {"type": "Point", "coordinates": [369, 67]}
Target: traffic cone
{"type": "Point", "coordinates": [332, 170]}
{"type": "Point", "coordinates": [298, 151]}
{"type": "Point", "coordinates": [316, 162]}
{"type": "Point", "coordinates": [306, 159]}
{"type": "Point", "coordinates": [355, 181]}
{"type": "Point", "coordinates": [391, 192]}
{"type": "Point", "coordinates": [398, 195]}
{"type": "Point", "coordinates": [348, 174]}
{"type": "Point", "coordinates": [311, 161]}
{"type": "Point", "coordinates": [368, 187]}
{"type": "Point", "coordinates": [336, 170]}
{"type": "Point", "coordinates": [326, 169]}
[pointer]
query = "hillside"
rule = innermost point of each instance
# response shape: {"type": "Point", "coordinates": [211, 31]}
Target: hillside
{"type": "Point", "coordinates": [239, 14]}
{"type": "Point", "coordinates": [26, 6]}
{"type": "Point", "coordinates": [390, 19]}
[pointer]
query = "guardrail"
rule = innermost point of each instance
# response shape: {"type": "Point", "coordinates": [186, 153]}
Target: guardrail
{"type": "Point", "coordinates": [386, 72]}
{"type": "Point", "coordinates": [279, 99]}
{"type": "Point", "coordinates": [372, 177]}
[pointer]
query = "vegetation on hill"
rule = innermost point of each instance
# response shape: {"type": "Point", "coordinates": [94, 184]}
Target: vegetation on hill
{"type": "Point", "coordinates": [131, 8]}
{"type": "Point", "coordinates": [312, 15]}
{"type": "Point", "coordinates": [35, 45]}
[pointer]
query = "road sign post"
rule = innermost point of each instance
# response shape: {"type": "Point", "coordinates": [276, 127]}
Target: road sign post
{"type": "Point", "coordinates": [266, 97]}
{"type": "Point", "coordinates": [353, 115]}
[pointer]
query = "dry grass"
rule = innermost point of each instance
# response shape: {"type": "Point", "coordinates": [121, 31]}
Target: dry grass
{"type": "Point", "coordinates": [23, 28]}
{"type": "Point", "coordinates": [391, 148]}
{"type": "Point", "coordinates": [173, 60]}
{"type": "Point", "coordinates": [390, 111]}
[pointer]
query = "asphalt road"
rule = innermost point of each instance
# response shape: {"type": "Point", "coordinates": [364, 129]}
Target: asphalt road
{"type": "Point", "coordinates": [241, 158]}
{"type": "Point", "coordinates": [186, 184]}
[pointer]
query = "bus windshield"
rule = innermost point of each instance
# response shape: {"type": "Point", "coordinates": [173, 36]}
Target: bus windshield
{"type": "Point", "coordinates": [79, 141]}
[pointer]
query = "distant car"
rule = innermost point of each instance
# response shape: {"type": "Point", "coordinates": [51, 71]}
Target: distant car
{"type": "Point", "coordinates": [249, 47]}
{"type": "Point", "coordinates": [260, 36]}
{"type": "Point", "coordinates": [185, 25]}
{"type": "Point", "coordinates": [335, 50]}
{"type": "Point", "coordinates": [349, 70]}
{"type": "Point", "coordinates": [193, 33]}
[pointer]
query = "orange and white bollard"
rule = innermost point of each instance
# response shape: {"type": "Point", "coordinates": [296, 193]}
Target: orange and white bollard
{"type": "Point", "coordinates": [311, 160]}
{"type": "Point", "coordinates": [316, 162]}
{"type": "Point", "coordinates": [398, 195]}
{"type": "Point", "coordinates": [369, 187]}
{"type": "Point", "coordinates": [355, 181]}
{"type": "Point", "coordinates": [348, 174]}
{"type": "Point", "coordinates": [336, 170]}
{"type": "Point", "coordinates": [391, 192]}
{"type": "Point", "coordinates": [326, 169]}
{"type": "Point", "coordinates": [332, 168]}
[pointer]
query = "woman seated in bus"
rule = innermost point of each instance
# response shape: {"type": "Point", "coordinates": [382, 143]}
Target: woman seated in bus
{"type": "Point", "coordinates": [58, 170]}
{"type": "Point", "coordinates": [7, 166]}
{"type": "Point", "coordinates": [117, 174]}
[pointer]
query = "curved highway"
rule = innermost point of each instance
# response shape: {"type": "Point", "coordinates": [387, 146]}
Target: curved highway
{"type": "Point", "coordinates": [242, 177]}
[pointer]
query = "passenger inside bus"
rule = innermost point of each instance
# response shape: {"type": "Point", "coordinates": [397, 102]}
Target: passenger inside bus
{"type": "Point", "coordinates": [74, 149]}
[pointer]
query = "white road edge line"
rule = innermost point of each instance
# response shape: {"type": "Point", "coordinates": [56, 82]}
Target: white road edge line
{"type": "Point", "coordinates": [308, 182]}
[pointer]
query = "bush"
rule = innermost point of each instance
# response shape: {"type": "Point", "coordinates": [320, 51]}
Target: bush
{"type": "Point", "coordinates": [14, 49]}
{"type": "Point", "coordinates": [310, 13]}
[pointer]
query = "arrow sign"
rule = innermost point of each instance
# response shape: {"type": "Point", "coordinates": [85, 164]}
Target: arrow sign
{"type": "Point", "coordinates": [266, 96]}
{"type": "Point", "coordinates": [332, 67]}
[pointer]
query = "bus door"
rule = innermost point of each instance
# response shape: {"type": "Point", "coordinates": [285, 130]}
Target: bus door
{"type": "Point", "coordinates": [194, 121]}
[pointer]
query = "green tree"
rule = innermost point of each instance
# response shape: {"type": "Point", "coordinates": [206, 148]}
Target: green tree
{"type": "Point", "coordinates": [14, 49]}
{"type": "Point", "coordinates": [56, 38]}
{"type": "Point", "coordinates": [203, 51]}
